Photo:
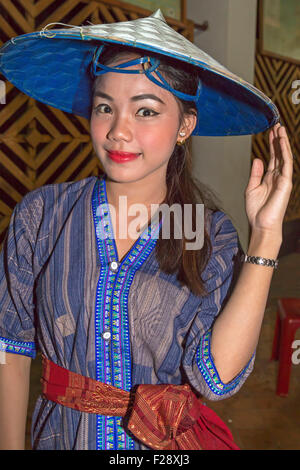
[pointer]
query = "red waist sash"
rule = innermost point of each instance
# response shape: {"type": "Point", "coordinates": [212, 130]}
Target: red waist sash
{"type": "Point", "coordinates": [163, 417]}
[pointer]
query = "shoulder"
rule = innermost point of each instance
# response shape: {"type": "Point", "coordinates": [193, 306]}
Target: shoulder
{"type": "Point", "coordinates": [58, 190]}
{"type": "Point", "coordinates": [224, 240]}
{"type": "Point", "coordinates": [53, 194]}
{"type": "Point", "coordinates": [224, 259]}
{"type": "Point", "coordinates": [38, 207]}
{"type": "Point", "coordinates": [219, 226]}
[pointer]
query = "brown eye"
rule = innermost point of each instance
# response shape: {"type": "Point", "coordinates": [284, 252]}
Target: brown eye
{"type": "Point", "coordinates": [102, 108]}
{"type": "Point", "coordinates": [146, 112]}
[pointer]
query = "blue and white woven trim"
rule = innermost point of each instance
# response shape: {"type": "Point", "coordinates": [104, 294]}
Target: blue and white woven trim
{"type": "Point", "coordinates": [18, 347]}
{"type": "Point", "coordinates": [208, 370]}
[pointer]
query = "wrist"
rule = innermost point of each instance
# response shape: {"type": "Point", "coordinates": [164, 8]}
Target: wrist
{"type": "Point", "coordinates": [264, 245]}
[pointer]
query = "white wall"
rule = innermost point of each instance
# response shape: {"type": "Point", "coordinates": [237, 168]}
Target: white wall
{"type": "Point", "coordinates": [223, 163]}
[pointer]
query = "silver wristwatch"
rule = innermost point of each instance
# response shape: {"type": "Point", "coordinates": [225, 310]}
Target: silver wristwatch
{"type": "Point", "coordinates": [259, 260]}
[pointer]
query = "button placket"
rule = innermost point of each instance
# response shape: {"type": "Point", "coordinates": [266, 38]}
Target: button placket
{"type": "Point", "coordinates": [106, 335]}
{"type": "Point", "coordinates": [114, 266]}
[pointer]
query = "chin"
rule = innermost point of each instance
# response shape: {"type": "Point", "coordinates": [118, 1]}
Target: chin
{"type": "Point", "coordinates": [122, 175]}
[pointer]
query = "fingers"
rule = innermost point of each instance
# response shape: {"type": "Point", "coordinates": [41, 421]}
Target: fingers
{"type": "Point", "coordinates": [283, 133]}
{"type": "Point", "coordinates": [257, 171]}
{"type": "Point", "coordinates": [281, 158]}
{"type": "Point", "coordinates": [273, 142]}
{"type": "Point", "coordinates": [287, 156]}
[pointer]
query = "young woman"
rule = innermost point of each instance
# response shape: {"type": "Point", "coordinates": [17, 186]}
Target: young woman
{"type": "Point", "coordinates": [134, 330]}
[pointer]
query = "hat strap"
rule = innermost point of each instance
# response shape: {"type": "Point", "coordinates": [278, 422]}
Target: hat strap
{"type": "Point", "coordinates": [154, 63]}
{"type": "Point", "coordinates": [167, 86]}
{"type": "Point", "coordinates": [96, 65]}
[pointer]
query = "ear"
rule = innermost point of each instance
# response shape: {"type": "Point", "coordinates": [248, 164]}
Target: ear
{"type": "Point", "coordinates": [187, 126]}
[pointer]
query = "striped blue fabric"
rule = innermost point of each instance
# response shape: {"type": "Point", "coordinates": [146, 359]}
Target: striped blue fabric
{"type": "Point", "coordinates": [61, 294]}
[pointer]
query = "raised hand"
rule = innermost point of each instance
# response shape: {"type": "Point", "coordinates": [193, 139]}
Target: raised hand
{"type": "Point", "coordinates": [267, 195]}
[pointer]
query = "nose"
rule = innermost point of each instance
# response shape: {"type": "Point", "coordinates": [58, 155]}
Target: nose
{"type": "Point", "coordinates": [120, 129]}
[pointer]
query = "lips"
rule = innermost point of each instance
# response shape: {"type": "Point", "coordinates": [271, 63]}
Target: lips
{"type": "Point", "coordinates": [121, 157]}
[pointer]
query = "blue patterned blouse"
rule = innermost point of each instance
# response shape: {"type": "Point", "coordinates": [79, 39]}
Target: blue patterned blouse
{"type": "Point", "coordinates": [64, 292]}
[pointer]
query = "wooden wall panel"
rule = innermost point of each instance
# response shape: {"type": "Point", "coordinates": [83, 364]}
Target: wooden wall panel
{"type": "Point", "coordinates": [275, 77]}
{"type": "Point", "coordinates": [39, 144]}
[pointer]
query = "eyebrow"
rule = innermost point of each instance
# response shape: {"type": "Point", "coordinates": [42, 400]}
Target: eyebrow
{"type": "Point", "coordinates": [147, 96]}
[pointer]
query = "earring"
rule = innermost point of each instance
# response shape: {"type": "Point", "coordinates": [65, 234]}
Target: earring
{"type": "Point", "coordinates": [181, 142]}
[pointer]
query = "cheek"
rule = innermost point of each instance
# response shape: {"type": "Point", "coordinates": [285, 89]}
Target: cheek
{"type": "Point", "coordinates": [97, 131]}
{"type": "Point", "coordinates": [162, 136]}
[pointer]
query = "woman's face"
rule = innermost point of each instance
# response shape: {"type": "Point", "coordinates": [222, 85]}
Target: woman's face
{"type": "Point", "coordinates": [132, 114]}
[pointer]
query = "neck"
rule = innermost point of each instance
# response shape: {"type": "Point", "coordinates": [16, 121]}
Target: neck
{"type": "Point", "coordinates": [147, 191]}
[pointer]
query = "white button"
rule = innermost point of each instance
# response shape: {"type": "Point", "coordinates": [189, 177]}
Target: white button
{"type": "Point", "coordinates": [114, 265]}
{"type": "Point", "coordinates": [106, 335]}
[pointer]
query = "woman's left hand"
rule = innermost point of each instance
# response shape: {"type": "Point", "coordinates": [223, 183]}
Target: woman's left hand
{"type": "Point", "coordinates": [267, 196]}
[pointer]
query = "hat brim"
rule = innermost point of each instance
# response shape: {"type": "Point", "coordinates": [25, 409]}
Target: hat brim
{"type": "Point", "coordinates": [56, 71]}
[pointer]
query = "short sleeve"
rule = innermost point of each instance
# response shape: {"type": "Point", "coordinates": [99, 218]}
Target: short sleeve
{"type": "Point", "coordinates": [17, 329]}
{"type": "Point", "coordinates": [219, 277]}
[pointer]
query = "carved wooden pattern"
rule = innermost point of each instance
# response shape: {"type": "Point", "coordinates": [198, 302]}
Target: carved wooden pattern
{"type": "Point", "coordinates": [39, 144]}
{"type": "Point", "coordinates": [275, 77]}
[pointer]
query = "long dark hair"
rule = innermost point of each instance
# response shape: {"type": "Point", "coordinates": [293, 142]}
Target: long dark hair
{"type": "Point", "coordinates": [182, 187]}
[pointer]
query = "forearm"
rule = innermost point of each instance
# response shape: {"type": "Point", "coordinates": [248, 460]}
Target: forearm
{"type": "Point", "coordinates": [14, 392]}
{"type": "Point", "coordinates": [236, 331]}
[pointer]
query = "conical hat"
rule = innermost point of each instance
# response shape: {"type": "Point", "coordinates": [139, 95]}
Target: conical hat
{"type": "Point", "coordinates": [53, 66]}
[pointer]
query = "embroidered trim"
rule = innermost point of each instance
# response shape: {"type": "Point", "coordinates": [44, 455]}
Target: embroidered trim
{"type": "Point", "coordinates": [113, 357]}
{"type": "Point", "coordinates": [208, 370]}
{"type": "Point", "coordinates": [26, 348]}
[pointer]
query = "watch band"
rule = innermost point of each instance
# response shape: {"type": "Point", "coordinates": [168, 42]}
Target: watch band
{"type": "Point", "coordinates": [259, 260]}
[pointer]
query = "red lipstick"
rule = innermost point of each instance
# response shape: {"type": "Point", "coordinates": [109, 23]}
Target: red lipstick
{"type": "Point", "coordinates": [121, 157]}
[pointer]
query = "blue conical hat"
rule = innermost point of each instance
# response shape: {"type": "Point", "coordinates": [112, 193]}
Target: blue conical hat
{"type": "Point", "coordinates": [53, 66]}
